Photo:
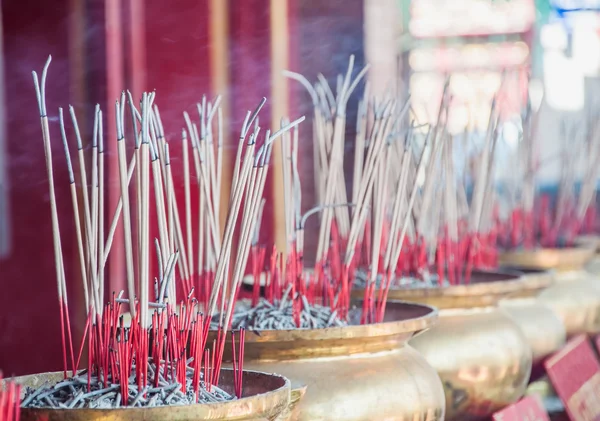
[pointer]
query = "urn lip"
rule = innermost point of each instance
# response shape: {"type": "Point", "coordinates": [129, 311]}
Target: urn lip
{"type": "Point", "coordinates": [563, 258]}
{"type": "Point", "coordinates": [264, 395]}
{"type": "Point", "coordinates": [485, 289]}
{"type": "Point", "coordinates": [401, 318]}
{"type": "Point", "coordinates": [534, 280]}
{"type": "Point", "coordinates": [402, 321]}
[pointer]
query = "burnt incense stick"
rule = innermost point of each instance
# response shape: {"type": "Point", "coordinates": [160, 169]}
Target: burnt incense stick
{"type": "Point", "coordinates": [101, 244]}
{"type": "Point", "coordinates": [40, 89]}
{"type": "Point", "coordinates": [479, 188]}
{"type": "Point", "coordinates": [157, 178]}
{"type": "Point", "coordinates": [188, 203]}
{"type": "Point", "coordinates": [75, 204]}
{"type": "Point", "coordinates": [126, 213]}
{"type": "Point", "coordinates": [144, 186]}
{"type": "Point", "coordinates": [336, 164]}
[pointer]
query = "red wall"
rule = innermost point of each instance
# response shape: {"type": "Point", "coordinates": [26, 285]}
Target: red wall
{"type": "Point", "coordinates": [29, 328]}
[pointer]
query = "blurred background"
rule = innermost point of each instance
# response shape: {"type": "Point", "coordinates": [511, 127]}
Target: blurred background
{"type": "Point", "coordinates": [514, 50]}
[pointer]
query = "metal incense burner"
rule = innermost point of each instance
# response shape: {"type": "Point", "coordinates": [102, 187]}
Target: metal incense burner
{"type": "Point", "coordinates": [559, 259]}
{"type": "Point", "coordinates": [541, 325]}
{"type": "Point", "coordinates": [575, 296]}
{"type": "Point", "coordinates": [479, 352]}
{"type": "Point", "coordinates": [265, 397]}
{"type": "Point", "coordinates": [356, 372]}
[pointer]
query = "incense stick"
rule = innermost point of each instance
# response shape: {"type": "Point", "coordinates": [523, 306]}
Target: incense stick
{"type": "Point", "coordinates": [80, 247]}
{"type": "Point", "coordinates": [126, 210]}
{"type": "Point", "coordinates": [58, 258]}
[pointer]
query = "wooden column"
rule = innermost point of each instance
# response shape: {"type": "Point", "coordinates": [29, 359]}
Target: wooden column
{"type": "Point", "coordinates": [381, 35]}
{"type": "Point", "coordinates": [280, 108]}
{"type": "Point", "coordinates": [115, 83]}
{"type": "Point", "coordinates": [219, 77]}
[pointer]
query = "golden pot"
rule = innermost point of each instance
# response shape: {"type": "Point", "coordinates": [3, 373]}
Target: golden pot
{"type": "Point", "coordinates": [358, 372]}
{"type": "Point", "coordinates": [560, 259]}
{"type": "Point", "coordinates": [541, 325]}
{"type": "Point", "coordinates": [575, 297]}
{"type": "Point", "coordinates": [266, 396]}
{"type": "Point", "coordinates": [483, 358]}
{"type": "Point", "coordinates": [577, 303]}
{"type": "Point", "coordinates": [481, 355]}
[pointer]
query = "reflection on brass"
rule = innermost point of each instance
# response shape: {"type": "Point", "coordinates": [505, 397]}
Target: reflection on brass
{"type": "Point", "coordinates": [541, 325]}
{"type": "Point", "coordinates": [360, 372]}
{"type": "Point", "coordinates": [577, 303]}
{"type": "Point", "coordinates": [483, 358]}
{"type": "Point", "coordinates": [265, 397]}
{"type": "Point", "coordinates": [560, 259]}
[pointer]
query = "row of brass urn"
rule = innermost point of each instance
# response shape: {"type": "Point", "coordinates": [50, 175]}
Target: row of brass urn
{"type": "Point", "coordinates": [456, 353]}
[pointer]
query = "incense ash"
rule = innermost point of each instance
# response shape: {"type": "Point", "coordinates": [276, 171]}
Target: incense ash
{"type": "Point", "coordinates": [429, 280]}
{"type": "Point", "coordinates": [280, 316]}
{"type": "Point", "coordinates": [73, 392]}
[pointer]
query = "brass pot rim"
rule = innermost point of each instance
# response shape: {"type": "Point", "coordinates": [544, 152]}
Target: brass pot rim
{"type": "Point", "coordinates": [403, 326]}
{"type": "Point", "coordinates": [476, 294]}
{"type": "Point", "coordinates": [533, 279]}
{"type": "Point", "coordinates": [267, 401]}
{"type": "Point", "coordinates": [520, 301]}
{"type": "Point", "coordinates": [466, 311]}
{"type": "Point", "coordinates": [549, 257]}
{"type": "Point", "coordinates": [511, 283]}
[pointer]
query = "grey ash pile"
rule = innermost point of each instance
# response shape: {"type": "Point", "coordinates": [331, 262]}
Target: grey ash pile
{"type": "Point", "coordinates": [279, 316]}
{"type": "Point", "coordinates": [73, 393]}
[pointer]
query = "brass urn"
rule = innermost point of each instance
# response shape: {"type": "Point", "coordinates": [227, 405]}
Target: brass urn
{"type": "Point", "coordinates": [540, 323]}
{"type": "Point", "coordinates": [575, 296]}
{"type": "Point", "coordinates": [481, 355]}
{"type": "Point", "coordinates": [358, 372]}
{"type": "Point", "coordinates": [577, 303]}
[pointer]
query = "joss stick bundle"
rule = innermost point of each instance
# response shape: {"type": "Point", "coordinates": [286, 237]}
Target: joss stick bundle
{"type": "Point", "coordinates": [536, 219]}
{"type": "Point", "coordinates": [162, 356]}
